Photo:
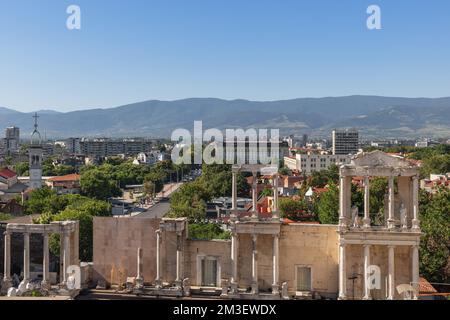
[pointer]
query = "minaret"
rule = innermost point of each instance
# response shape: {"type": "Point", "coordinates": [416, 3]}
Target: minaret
{"type": "Point", "coordinates": [35, 152]}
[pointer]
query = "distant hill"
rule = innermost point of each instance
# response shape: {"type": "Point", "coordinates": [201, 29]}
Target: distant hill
{"type": "Point", "coordinates": [375, 117]}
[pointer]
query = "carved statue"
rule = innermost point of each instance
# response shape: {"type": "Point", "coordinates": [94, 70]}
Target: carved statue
{"type": "Point", "coordinates": [403, 216]}
{"type": "Point", "coordinates": [187, 287]}
{"type": "Point", "coordinates": [284, 291]}
{"type": "Point", "coordinates": [355, 217]}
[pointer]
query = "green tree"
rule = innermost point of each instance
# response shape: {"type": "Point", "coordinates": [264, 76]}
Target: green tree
{"type": "Point", "coordinates": [98, 185]}
{"type": "Point", "coordinates": [39, 201]}
{"type": "Point", "coordinates": [4, 216]}
{"type": "Point", "coordinates": [189, 201]}
{"type": "Point", "coordinates": [328, 205]}
{"type": "Point", "coordinates": [207, 231]}
{"type": "Point", "coordinates": [378, 189]}
{"type": "Point", "coordinates": [434, 245]}
{"type": "Point", "coordinates": [22, 168]}
{"type": "Point", "coordinates": [292, 209]}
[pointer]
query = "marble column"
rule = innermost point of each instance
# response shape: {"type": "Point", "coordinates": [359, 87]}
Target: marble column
{"type": "Point", "coordinates": [7, 261]}
{"type": "Point", "coordinates": [66, 252]}
{"type": "Point", "coordinates": [342, 273]}
{"type": "Point", "coordinates": [178, 279]}
{"type": "Point", "coordinates": [234, 262]}
{"type": "Point", "coordinates": [254, 264]}
{"type": "Point", "coordinates": [275, 215]}
{"type": "Point", "coordinates": [415, 197]}
{"type": "Point", "coordinates": [140, 264]}
{"type": "Point", "coordinates": [415, 270]}
{"type": "Point", "coordinates": [234, 194]}
{"type": "Point", "coordinates": [158, 259]}
{"type": "Point", "coordinates": [275, 266]}
{"type": "Point", "coordinates": [366, 272]}
{"type": "Point", "coordinates": [391, 207]}
{"type": "Point", "coordinates": [342, 202]}
{"type": "Point", "coordinates": [45, 262]}
{"type": "Point", "coordinates": [366, 220]}
{"type": "Point", "coordinates": [255, 196]}
{"type": "Point", "coordinates": [391, 272]}
{"type": "Point", "coordinates": [26, 257]}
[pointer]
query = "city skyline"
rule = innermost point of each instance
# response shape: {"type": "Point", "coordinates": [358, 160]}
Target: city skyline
{"type": "Point", "coordinates": [126, 53]}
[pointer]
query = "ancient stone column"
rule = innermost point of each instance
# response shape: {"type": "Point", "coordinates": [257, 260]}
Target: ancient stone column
{"type": "Point", "coordinates": [275, 215]}
{"type": "Point", "coordinates": [275, 254]}
{"type": "Point", "coordinates": [234, 191]}
{"type": "Point", "coordinates": [391, 217]}
{"type": "Point", "coordinates": [342, 273]}
{"type": "Point", "coordinates": [45, 263]}
{"type": "Point", "coordinates": [234, 262]}
{"type": "Point", "coordinates": [7, 261]}
{"type": "Point", "coordinates": [342, 202]}
{"type": "Point", "coordinates": [415, 269]}
{"type": "Point", "coordinates": [366, 220]}
{"type": "Point", "coordinates": [158, 257]}
{"type": "Point", "coordinates": [66, 252]}
{"type": "Point", "coordinates": [178, 276]}
{"type": "Point", "coordinates": [366, 272]}
{"type": "Point", "coordinates": [26, 257]}
{"type": "Point", "coordinates": [254, 264]}
{"type": "Point", "coordinates": [255, 196]}
{"type": "Point", "coordinates": [140, 265]}
{"type": "Point", "coordinates": [391, 272]}
{"type": "Point", "coordinates": [415, 197]}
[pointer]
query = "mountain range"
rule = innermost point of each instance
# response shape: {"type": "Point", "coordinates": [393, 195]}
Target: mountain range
{"type": "Point", "coordinates": [374, 116]}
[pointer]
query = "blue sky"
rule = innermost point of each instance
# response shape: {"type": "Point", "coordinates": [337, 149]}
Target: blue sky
{"type": "Point", "coordinates": [130, 51]}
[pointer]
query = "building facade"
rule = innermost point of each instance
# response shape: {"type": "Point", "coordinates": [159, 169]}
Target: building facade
{"type": "Point", "coordinates": [308, 163]}
{"type": "Point", "coordinates": [12, 139]}
{"type": "Point", "coordinates": [345, 142]}
{"type": "Point", "coordinates": [104, 147]}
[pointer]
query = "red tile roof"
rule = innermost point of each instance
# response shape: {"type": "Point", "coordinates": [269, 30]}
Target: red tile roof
{"type": "Point", "coordinates": [7, 173]}
{"type": "Point", "coordinates": [69, 177]}
{"type": "Point", "coordinates": [425, 286]}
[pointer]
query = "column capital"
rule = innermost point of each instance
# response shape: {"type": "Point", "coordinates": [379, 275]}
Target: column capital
{"type": "Point", "coordinates": [391, 246]}
{"type": "Point", "coordinates": [367, 245]}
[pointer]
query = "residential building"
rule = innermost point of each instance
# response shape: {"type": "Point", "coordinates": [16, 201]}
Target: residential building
{"type": "Point", "coordinates": [12, 139]}
{"type": "Point", "coordinates": [345, 141]}
{"type": "Point", "coordinates": [68, 184]}
{"type": "Point", "coordinates": [308, 163]}
{"type": "Point", "coordinates": [73, 145]}
{"type": "Point", "coordinates": [10, 186]}
{"type": "Point", "coordinates": [105, 147]}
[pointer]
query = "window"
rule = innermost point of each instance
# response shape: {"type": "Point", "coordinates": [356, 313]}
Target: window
{"type": "Point", "coordinates": [303, 278]}
{"type": "Point", "coordinates": [209, 271]}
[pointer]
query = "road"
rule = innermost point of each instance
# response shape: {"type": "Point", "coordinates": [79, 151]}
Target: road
{"type": "Point", "coordinates": [161, 208]}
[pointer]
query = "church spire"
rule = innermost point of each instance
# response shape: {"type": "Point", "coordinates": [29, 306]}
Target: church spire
{"type": "Point", "coordinates": [36, 136]}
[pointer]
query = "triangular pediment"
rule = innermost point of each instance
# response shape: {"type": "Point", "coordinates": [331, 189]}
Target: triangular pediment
{"type": "Point", "coordinates": [379, 159]}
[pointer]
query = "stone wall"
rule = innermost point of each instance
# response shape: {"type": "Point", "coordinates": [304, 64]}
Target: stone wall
{"type": "Point", "coordinates": [220, 249]}
{"type": "Point", "coordinates": [116, 241]}
{"type": "Point", "coordinates": [310, 245]}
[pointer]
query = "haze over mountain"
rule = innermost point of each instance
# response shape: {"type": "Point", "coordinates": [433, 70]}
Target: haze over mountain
{"type": "Point", "coordinates": [374, 116]}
